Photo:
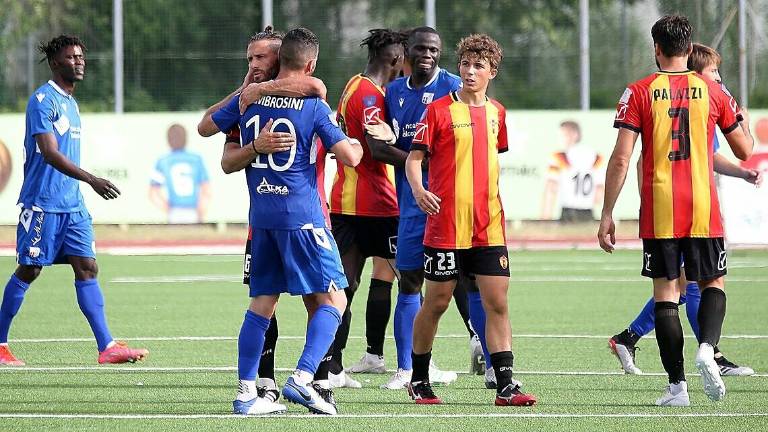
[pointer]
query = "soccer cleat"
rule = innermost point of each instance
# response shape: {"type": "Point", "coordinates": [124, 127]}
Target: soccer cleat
{"type": "Point", "coordinates": [421, 393]}
{"type": "Point", "coordinates": [626, 355]}
{"type": "Point", "coordinates": [440, 377]}
{"type": "Point", "coordinates": [343, 380]}
{"type": "Point", "coordinates": [511, 395]}
{"type": "Point", "coordinates": [490, 378]}
{"type": "Point", "coordinates": [307, 396]}
{"type": "Point", "coordinates": [7, 358]}
{"type": "Point", "coordinates": [326, 394]}
{"type": "Point", "coordinates": [121, 353]}
{"type": "Point", "coordinates": [399, 380]}
{"type": "Point", "coordinates": [369, 363]}
{"type": "Point", "coordinates": [269, 387]}
{"type": "Point", "coordinates": [714, 387]}
{"type": "Point", "coordinates": [728, 368]}
{"type": "Point", "coordinates": [477, 362]}
{"type": "Point", "coordinates": [263, 404]}
{"type": "Point", "coordinates": [675, 395]}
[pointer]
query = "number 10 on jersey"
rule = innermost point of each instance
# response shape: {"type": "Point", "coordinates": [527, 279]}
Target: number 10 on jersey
{"type": "Point", "coordinates": [271, 164]}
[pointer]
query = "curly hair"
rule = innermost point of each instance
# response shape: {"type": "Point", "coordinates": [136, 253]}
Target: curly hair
{"type": "Point", "coordinates": [52, 48]}
{"type": "Point", "coordinates": [378, 39]}
{"type": "Point", "coordinates": [481, 46]}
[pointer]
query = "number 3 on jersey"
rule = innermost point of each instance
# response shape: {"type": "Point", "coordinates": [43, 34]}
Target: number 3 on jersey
{"type": "Point", "coordinates": [271, 164]}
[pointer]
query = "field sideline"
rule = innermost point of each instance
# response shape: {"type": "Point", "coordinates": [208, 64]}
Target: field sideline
{"type": "Point", "coordinates": [188, 309]}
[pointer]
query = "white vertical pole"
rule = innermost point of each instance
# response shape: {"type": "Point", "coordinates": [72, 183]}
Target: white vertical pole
{"type": "Point", "coordinates": [117, 35]}
{"type": "Point", "coordinates": [266, 14]}
{"type": "Point", "coordinates": [430, 16]}
{"type": "Point", "coordinates": [584, 52]}
{"type": "Point", "coordinates": [743, 85]}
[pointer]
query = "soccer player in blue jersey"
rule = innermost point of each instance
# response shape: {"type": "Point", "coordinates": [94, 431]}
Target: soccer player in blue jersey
{"type": "Point", "coordinates": [406, 100]}
{"type": "Point", "coordinates": [705, 61]}
{"type": "Point", "coordinates": [292, 250]}
{"type": "Point", "coordinates": [54, 226]}
{"type": "Point", "coordinates": [183, 176]}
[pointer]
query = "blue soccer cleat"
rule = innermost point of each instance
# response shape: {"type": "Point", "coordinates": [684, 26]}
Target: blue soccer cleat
{"type": "Point", "coordinates": [307, 396]}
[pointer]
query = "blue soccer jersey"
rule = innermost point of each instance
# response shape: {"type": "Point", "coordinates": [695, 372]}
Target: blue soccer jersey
{"type": "Point", "coordinates": [51, 110]}
{"type": "Point", "coordinates": [283, 186]}
{"type": "Point", "coordinates": [181, 173]}
{"type": "Point", "coordinates": [405, 107]}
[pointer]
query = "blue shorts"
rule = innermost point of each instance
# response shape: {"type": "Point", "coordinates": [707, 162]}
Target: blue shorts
{"type": "Point", "coordinates": [43, 238]}
{"type": "Point", "coordinates": [410, 243]}
{"type": "Point", "coordinates": [297, 262]}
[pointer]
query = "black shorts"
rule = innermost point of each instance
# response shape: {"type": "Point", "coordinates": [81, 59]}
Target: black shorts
{"type": "Point", "coordinates": [574, 215]}
{"type": "Point", "coordinates": [703, 258]}
{"type": "Point", "coordinates": [442, 265]}
{"type": "Point", "coordinates": [374, 236]}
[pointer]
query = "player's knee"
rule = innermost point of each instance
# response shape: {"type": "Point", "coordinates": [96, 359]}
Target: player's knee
{"type": "Point", "coordinates": [27, 273]}
{"type": "Point", "coordinates": [497, 307]}
{"type": "Point", "coordinates": [411, 281]}
{"type": "Point", "coordinates": [86, 269]}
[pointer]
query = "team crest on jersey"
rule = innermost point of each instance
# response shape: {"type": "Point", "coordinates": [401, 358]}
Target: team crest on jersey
{"type": "Point", "coordinates": [426, 98]}
{"type": "Point", "coordinates": [369, 101]}
{"type": "Point", "coordinates": [371, 114]}
{"type": "Point", "coordinates": [621, 112]}
{"type": "Point", "coordinates": [401, 102]}
{"type": "Point", "coordinates": [504, 262]}
{"type": "Point", "coordinates": [40, 97]}
{"type": "Point", "coordinates": [421, 132]}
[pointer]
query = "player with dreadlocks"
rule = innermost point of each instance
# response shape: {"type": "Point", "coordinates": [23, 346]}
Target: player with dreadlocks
{"type": "Point", "coordinates": [363, 202]}
{"type": "Point", "coordinates": [54, 225]}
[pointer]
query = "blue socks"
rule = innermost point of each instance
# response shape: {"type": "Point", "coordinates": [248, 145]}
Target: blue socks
{"type": "Point", "coordinates": [320, 334]}
{"type": "Point", "coordinates": [645, 321]}
{"type": "Point", "coordinates": [406, 308]}
{"type": "Point", "coordinates": [13, 296]}
{"type": "Point", "coordinates": [693, 297]}
{"type": "Point", "coordinates": [250, 343]}
{"type": "Point", "coordinates": [91, 303]}
{"type": "Point", "coordinates": [477, 318]}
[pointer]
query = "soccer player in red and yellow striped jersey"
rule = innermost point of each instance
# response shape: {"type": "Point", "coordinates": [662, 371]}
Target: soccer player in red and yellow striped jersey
{"type": "Point", "coordinates": [463, 133]}
{"type": "Point", "coordinates": [675, 111]}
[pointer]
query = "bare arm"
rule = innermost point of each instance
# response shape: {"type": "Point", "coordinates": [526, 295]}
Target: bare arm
{"type": "Point", "coordinates": [381, 140]}
{"type": "Point", "coordinates": [292, 86]}
{"type": "Point", "coordinates": [725, 167]}
{"type": "Point", "coordinates": [349, 151]}
{"type": "Point", "coordinates": [236, 157]}
{"type": "Point", "coordinates": [616, 174]}
{"type": "Point", "coordinates": [428, 202]}
{"type": "Point", "coordinates": [49, 148]}
{"type": "Point", "coordinates": [207, 127]}
{"type": "Point", "coordinates": [741, 142]}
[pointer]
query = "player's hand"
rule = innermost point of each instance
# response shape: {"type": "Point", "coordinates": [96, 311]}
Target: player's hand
{"type": "Point", "coordinates": [754, 176]}
{"type": "Point", "coordinates": [428, 202]}
{"type": "Point", "coordinates": [250, 94]}
{"type": "Point", "coordinates": [606, 234]}
{"type": "Point", "coordinates": [380, 131]}
{"type": "Point", "coordinates": [272, 142]}
{"type": "Point", "coordinates": [104, 188]}
{"type": "Point", "coordinates": [249, 78]}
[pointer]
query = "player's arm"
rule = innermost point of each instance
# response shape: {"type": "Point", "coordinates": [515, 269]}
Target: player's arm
{"type": "Point", "coordinates": [157, 198]}
{"type": "Point", "coordinates": [49, 148]}
{"type": "Point", "coordinates": [203, 200]}
{"type": "Point", "coordinates": [303, 86]}
{"type": "Point", "coordinates": [616, 173]}
{"type": "Point", "coordinates": [428, 202]}
{"type": "Point", "coordinates": [381, 140]}
{"type": "Point", "coordinates": [236, 157]}
{"type": "Point", "coordinates": [725, 167]}
{"type": "Point", "coordinates": [740, 140]}
{"type": "Point", "coordinates": [349, 151]}
{"type": "Point", "coordinates": [207, 127]}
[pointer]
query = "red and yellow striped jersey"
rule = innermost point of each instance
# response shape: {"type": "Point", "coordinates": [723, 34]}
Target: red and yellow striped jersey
{"type": "Point", "coordinates": [367, 189]}
{"type": "Point", "coordinates": [675, 114]}
{"type": "Point", "coordinates": [463, 144]}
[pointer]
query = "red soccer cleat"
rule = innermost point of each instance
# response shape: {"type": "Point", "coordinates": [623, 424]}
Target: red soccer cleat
{"type": "Point", "coordinates": [7, 358]}
{"type": "Point", "coordinates": [422, 394]}
{"type": "Point", "coordinates": [121, 353]}
{"type": "Point", "coordinates": [512, 396]}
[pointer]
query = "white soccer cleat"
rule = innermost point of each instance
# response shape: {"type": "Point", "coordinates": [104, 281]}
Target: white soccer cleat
{"type": "Point", "coordinates": [490, 378]}
{"type": "Point", "coordinates": [675, 395]}
{"type": "Point", "coordinates": [261, 402]}
{"type": "Point", "coordinates": [399, 380]}
{"type": "Point", "coordinates": [714, 387]}
{"type": "Point", "coordinates": [728, 368]}
{"type": "Point", "coordinates": [626, 356]}
{"type": "Point", "coordinates": [369, 363]}
{"type": "Point", "coordinates": [438, 377]}
{"type": "Point", "coordinates": [477, 361]}
{"type": "Point", "coordinates": [343, 380]}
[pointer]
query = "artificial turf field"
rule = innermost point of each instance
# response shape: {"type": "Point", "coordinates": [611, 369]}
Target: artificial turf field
{"type": "Point", "coordinates": [187, 311]}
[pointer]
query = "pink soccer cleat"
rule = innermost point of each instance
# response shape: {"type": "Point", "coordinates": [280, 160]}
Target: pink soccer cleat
{"type": "Point", "coordinates": [7, 358]}
{"type": "Point", "coordinates": [121, 353]}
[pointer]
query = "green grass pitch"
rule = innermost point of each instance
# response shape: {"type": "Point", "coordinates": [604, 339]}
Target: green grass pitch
{"type": "Point", "coordinates": [563, 306]}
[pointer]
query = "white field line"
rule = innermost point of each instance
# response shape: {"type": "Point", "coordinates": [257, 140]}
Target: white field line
{"type": "Point", "coordinates": [516, 279]}
{"type": "Point", "coordinates": [286, 337]}
{"type": "Point", "coordinates": [203, 369]}
{"type": "Point", "coordinates": [371, 416]}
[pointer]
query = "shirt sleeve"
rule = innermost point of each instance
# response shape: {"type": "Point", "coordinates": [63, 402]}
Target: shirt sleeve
{"type": "Point", "coordinates": [501, 142]}
{"type": "Point", "coordinates": [41, 115]}
{"type": "Point", "coordinates": [424, 136]}
{"type": "Point", "coordinates": [157, 178]}
{"type": "Point", "coordinates": [628, 111]}
{"type": "Point", "coordinates": [228, 115]}
{"type": "Point", "coordinates": [728, 109]}
{"type": "Point", "coordinates": [326, 126]}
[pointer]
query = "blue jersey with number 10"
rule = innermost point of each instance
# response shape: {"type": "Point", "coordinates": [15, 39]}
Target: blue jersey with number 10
{"type": "Point", "coordinates": [283, 186]}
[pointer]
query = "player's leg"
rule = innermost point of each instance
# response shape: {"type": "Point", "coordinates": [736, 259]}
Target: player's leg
{"type": "Point", "coordinates": [480, 360]}
{"type": "Point", "coordinates": [662, 264]}
{"type": "Point", "coordinates": [13, 297]}
{"type": "Point", "coordinates": [377, 311]}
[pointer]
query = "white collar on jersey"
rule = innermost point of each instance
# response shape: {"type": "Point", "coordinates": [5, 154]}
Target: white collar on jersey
{"type": "Point", "coordinates": [434, 77]}
{"type": "Point", "coordinates": [59, 89]}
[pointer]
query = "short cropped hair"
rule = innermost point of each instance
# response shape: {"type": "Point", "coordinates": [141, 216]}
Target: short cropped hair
{"type": "Point", "coordinates": [703, 56]}
{"type": "Point", "coordinates": [673, 35]}
{"type": "Point", "coordinates": [53, 47]}
{"type": "Point", "coordinates": [299, 46]}
{"type": "Point", "coordinates": [423, 29]}
{"type": "Point", "coordinates": [480, 46]}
